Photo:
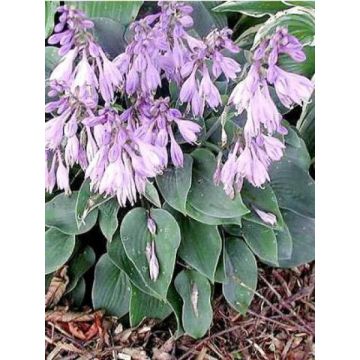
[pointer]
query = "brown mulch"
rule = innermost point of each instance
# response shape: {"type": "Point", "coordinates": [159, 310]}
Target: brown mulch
{"type": "Point", "coordinates": [278, 326]}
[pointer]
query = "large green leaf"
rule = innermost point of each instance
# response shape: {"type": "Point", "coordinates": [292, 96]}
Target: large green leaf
{"type": "Point", "coordinates": [305, 68]}
{"type": "Point", "coordinates": [118, 256]}
{"type": "Point", "coordinates": [174, 184]}
{"type": "Point", "coordinates": [152, 194]}
{"type": "Point", "coordinates": [58, 249]}
{"type": "Point", "coordinates": [262, 241]}
{"type": "Point", "coordinates": [123, 11]}
{"type": "Point", "coordinates": [111, 288]}
{"type": "Point", "coordinates": [210, 220]}
{"type": "Point", "coordinates": [263, 199]}
{"type": "Point", "coordinates": [309, 4]}
{"type": "Point", "coordinates": [79, 265]}
{"type": "Point", "coordinates": [145, 306]}
{"type": "Point", "coordinates": [52, 58]}
{"type": "Point", "coordinates": [302, 230]}
{"type": "Point", "coordinates": [299, 21]}
{"type": "Point", "coordinates": [60, 214]}
{"type": "Point", "coordinates": [207, 198]}
{"type": "Point", "coordinates": [175, 302]}
{"type": "Point", "coordinates": [306, 125]}
{"type": "Point", "coordinates": [109, 34]}
{"type": "Point", "coordinates": [205, 20]}
{"type": "Point", "coordinates": [135, 237]}
{"type": "Point", "coordinates": [293, 186]}
{"type": "Point", "coordinates": [50, 10]}
{"type": "Point", "coordinates": [296, 150]}
{"type": "Point", "coordinates": [108, 218]}
{"type": "Point", "coordinates": [78, 293]}
{"type": "Point", "coordinates": [87, 201]}
{"type": "Point", "coordinates": [240, 274]}
{"type": "Point", "coordinates": [200, 245]}
{"type": "Point", "coordinates": [284, 243]}
{"type": "Point", "coordinates": [252, 8]}
{"type": "Point", "coordinates": [195, 292]}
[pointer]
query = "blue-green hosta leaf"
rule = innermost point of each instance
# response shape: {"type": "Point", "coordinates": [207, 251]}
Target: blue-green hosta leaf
{"type": "Point", "coordinates": [152, 194]}
{"type": "Point", "coordinates": [240, 274]}
{"type": "Point", "coordinates": [261, 240]}
{"type": "Point", "coordinates": [79, 265]}
{"type": "Point", "coordinates": [118, 256]}
{"type": "Point", "coordinates": [293, 186]}
{"type": "Point", "coordinates": [299, 156]}
{"type": "Point", "coordinates": [200, 245]}
{"type": "Point", "coordinates": [309, 4]}
{"type": "Point", "coordinates": [205, 20]}
{"type": "Point", "coordinates": [291, 138]}
{"type": "Point", "coordinates": [195, 292]}
{"type": "Point", "coordinates": [78, 293]}
{"type": "Point", "coordinates": [52, 58]}
{"type": "Point", "coordinates": [299, 21]}
{"type": "Point", "coordinates": [122, 11]}
{"type": "Point", "coordinates": [231, 129]}
{"type": "Point", "coordinates": [135, 237]}
{"type": "Point", "coordinates": [174, 184]}
{"type": "Point", "coordinates": [207, 198]}
{"type": "Point", "coordinates": [111, 288]}
{"type": "Point", "coordinates": [210, 220]}
{"type": "Point", "coordinates": [60, 213]}
{"type": "Point", "coordinates": [144, 306]}
{"type": "Point", "coordinates": [108, 218]}
{"type": "Point", "coordinates": [284, 243]}
{"type": "Point", "coordinates": [175, 302]}
{"type": "Point", "coordinates": [50, 10]}
{"type": "Point", "coordinates": [87, 201]}
{"type": "Point", "coordinates": [306, 125]}
{"type": "Point", "coordinates": [263, 199]}
{"type": "Point", "coordinates": [109, 34]}
{"type": "Point", "coordinates": [302, 230]}
{"type": "Point", "coordinates": [58, 249]}
{"type": "Point", "coordinates": [305, 68]}
{"type": "Point", "coordinates": [252, 8]}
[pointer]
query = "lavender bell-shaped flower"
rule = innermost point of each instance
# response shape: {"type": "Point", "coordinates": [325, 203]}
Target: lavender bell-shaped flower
{"type": "Point", "coordinates": [263, 118]}
{"type": "Point", "coordinates": [266, 217]}
{"type": "Point", "coordinates": [154, 268]}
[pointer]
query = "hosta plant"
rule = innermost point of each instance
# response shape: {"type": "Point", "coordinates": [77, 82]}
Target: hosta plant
{"type": "Point", "coordinates": [170, 170]}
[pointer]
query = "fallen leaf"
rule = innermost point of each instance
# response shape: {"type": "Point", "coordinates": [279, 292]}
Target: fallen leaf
{"type": "Point", "coordinates": [57, 287]}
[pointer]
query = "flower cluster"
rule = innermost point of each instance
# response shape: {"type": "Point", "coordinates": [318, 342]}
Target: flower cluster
{"type": "Point", "coordinates": [252, 155]}
{"type": "Point", "coordinates": [83, 72]}
{"type": "Point", "coordinates": [162, 44]}
{"type": "Point", "coordinates": [117, 151]}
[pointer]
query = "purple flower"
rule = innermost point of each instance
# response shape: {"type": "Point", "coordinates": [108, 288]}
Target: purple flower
{"type": "Point", "coordinates": [273, 147]}
{"type": "Point", "coordinates": [50, 177]}
{"type": "Point", "coordinates": [266, 217]}
{"type": "Point", "coordinates": [188, 130]}
{"type": "Point", "coordinates": [85, 83]}
{"type": "Point", "coordinates": [54, 130]}
{"type": "Point", "coordinates": [62, 176]}
{"type": "Point", "coordinates": [151, 225]}
{"type": "Point", "coordinates": [72, 151]}
{"type": "Point", "coordinates": [152, 261]}
{"type": "Point", "coordinates": [109, 77]}
{"type": "Point", "coordinates": [64, 70]}
{"type": "Point", "coordinates": [177, 156]}
{"type": "Point", "coordinates": [291, 88]}
{"type": "Point", "coordinates": [208, 90]}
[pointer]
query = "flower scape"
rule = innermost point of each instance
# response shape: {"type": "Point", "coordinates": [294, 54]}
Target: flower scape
{"type": "Point", "coordinates": [124, 121]}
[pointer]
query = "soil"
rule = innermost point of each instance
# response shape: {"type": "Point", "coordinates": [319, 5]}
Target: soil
{"type": "Point", "coordinates": [279, 325]}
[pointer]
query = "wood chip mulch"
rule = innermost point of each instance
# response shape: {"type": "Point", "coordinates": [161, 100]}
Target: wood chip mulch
{"type": "Point", "coordinates": [278, 326]}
